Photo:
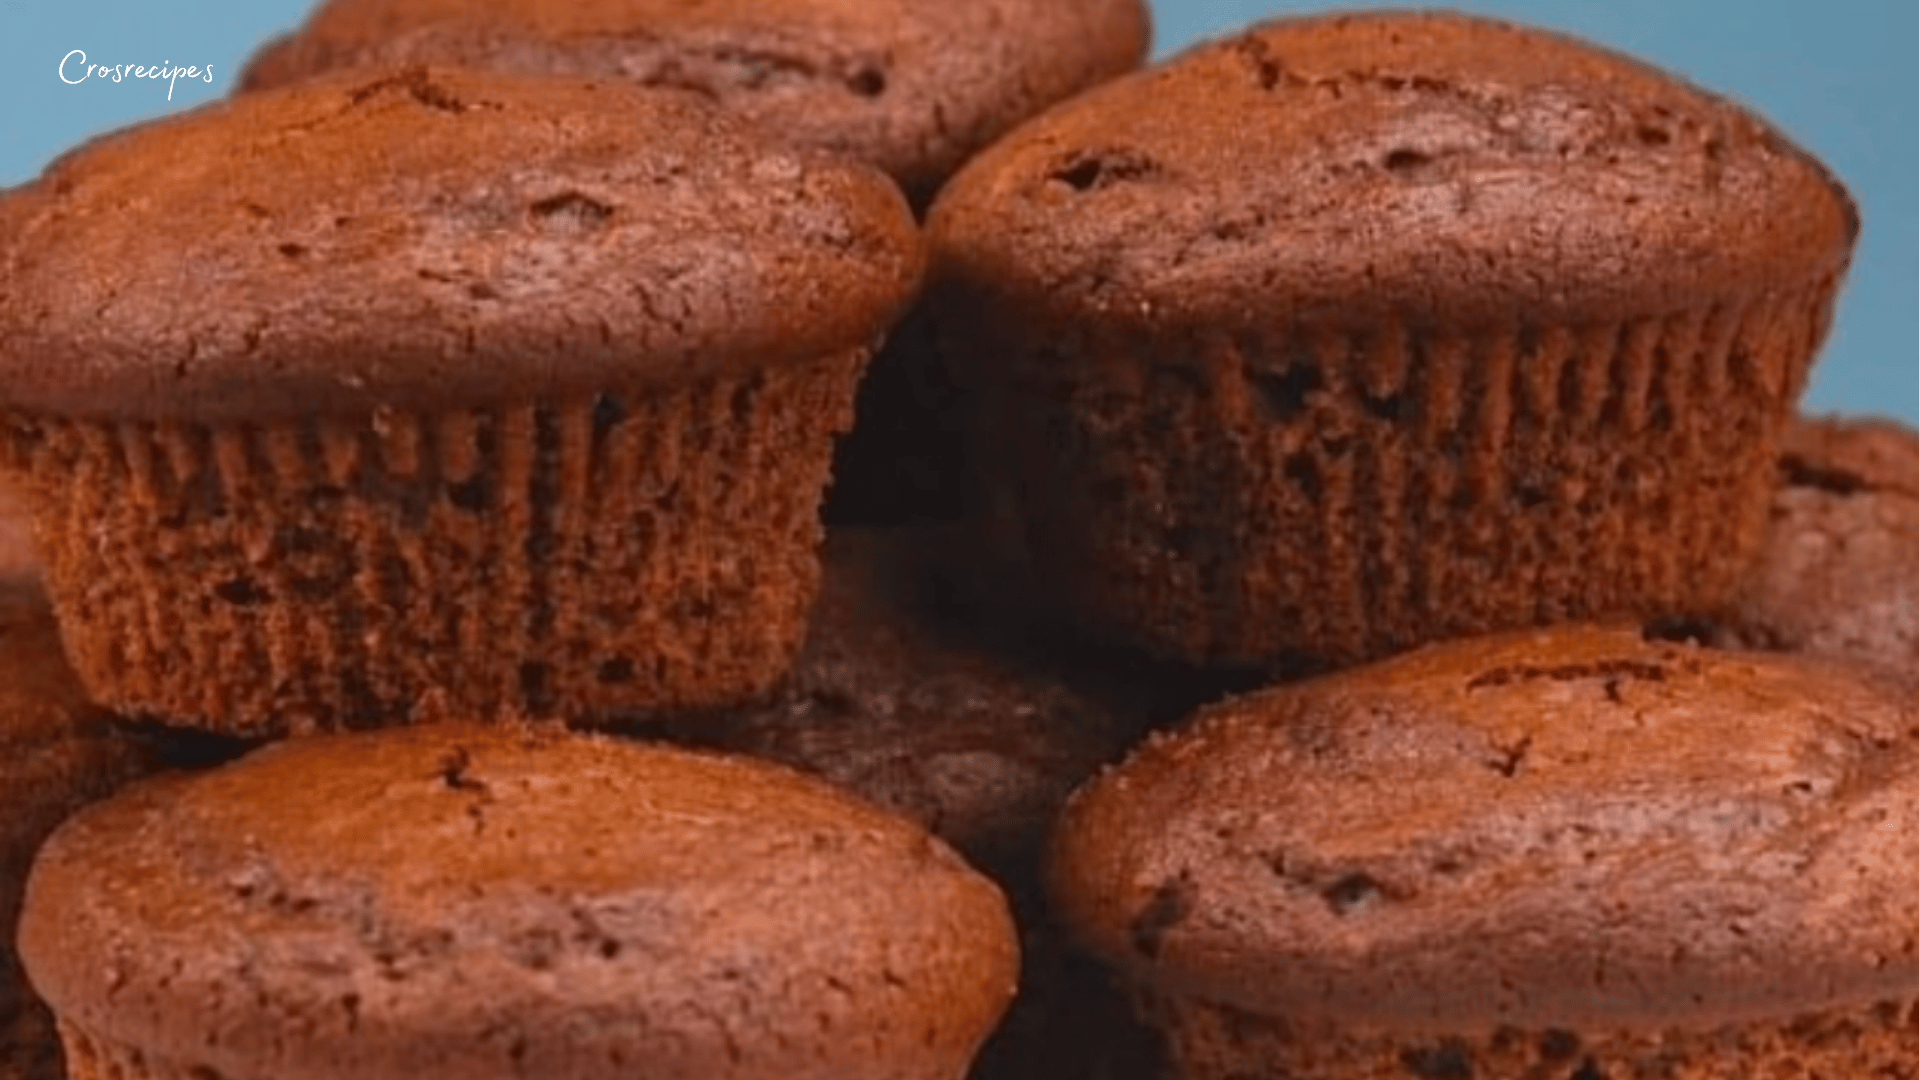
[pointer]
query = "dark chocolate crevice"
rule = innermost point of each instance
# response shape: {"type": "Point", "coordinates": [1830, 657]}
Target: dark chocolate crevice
{"type": "Point", "coordinates": [418, 85]}
{"type": "Point", "coordinates": [1093, 170]}
{"type": "Point", "coordinates": [1169, 906]}
{"type": "Point", "coordinates": [570, 211]}
{"type": "Point", "coordinates": [1796, 471]}
{"type": "Point", "coordinates": [1605, 669]}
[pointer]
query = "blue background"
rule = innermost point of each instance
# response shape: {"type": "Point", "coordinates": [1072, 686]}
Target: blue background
{"type": "Point", "coordinates": [1839, 76]}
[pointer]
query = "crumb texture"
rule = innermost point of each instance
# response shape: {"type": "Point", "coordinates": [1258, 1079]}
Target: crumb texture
{"type": "Point", "coordinates": [1876, 1042]}
{"type": "Point", "coordinates": [1248, 499]}
{"type": "Point", "coordinates": [595, 557]}
{"type": "Point", "coordinates": [90, 1058]}
{"type": "Point", "coordinates": [1380, 329]}
{"type": "Point", "coordinates": [1839, 573]}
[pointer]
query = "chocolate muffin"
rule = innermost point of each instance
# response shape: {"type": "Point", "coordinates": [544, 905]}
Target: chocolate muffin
{"type": "Point", "coordinates": [898, 696]}
{"type": "Point", "coordinates": [1354, 332]}
{"type": "Point", "coordinates": [979, 738]}
{"type": "Point", "coordinates": [472, 903]}
{"type": "Point", "coordinates": [57, 753]}
{"type": "Point", "coordinates": [912, 87]}
{"type": "Point", "coordinates": [514, 394]}
{"type": "Point", "coordinates": [1560, 853]}
{"type": "Point", "coordinates": [1839, 574]}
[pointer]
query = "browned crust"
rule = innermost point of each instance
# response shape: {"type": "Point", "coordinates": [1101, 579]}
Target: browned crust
{"type": "Point", "coordinates": [914, 88]}
{"type": "Point", "coordinates": [462, 901]}
{"type": "Point", "coordinates": [1251, 498]}
{"type": "Point", "coordinates": [1572, 826]}
{"type": "Point", "coordinates": [1878, 1041]}
{"type": "Point", "coordinates": [516, 238]}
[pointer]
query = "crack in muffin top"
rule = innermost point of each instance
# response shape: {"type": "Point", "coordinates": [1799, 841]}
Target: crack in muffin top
{"type": "Point", "coordinates": [434, 238]}
{"type": "Point", "coordinates": [1422, 165]}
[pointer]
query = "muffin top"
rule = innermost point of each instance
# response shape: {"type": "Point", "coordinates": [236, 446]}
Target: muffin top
{"type": "Point", "coordinates": [428, 237]}
{"type": "Point", "coordinates": [1841, 569]}
{"type": "Point", "coordinates": [57, 753]}
{"type": "Point", "coordinates": [451, 902]}
{"type": "Point", "coordinates": [1571, 827]}
{"type": "Point", "coordinates": [895, 698]}
{"type": "Point", "coordinates": [910, 86]}
{"type": "Point", "coordinates": [56, 749]}
{"type": "Point", "coordinates": [1339, 169]}
{"type": "Point", "coordinates": [1848, 455]}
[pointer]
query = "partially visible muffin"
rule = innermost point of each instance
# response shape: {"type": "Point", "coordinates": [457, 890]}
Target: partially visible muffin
{"type": "Point", "coordinates": [898, 697]}
{"type": "Point", "coordinates": [1563, 853]}
{"type": "Point", "coordinates": [1840, 572]}
{"type": "Point", "coordinates": [57, 754]}
{"type": "Point", "coordinates": [516, 394]}
{"type": "Point", "coordinates": [912, 87]}
{"type": "Point", "coordinates": [482, 903]}
{"type": "Point", "coordinates": [1353, 332]}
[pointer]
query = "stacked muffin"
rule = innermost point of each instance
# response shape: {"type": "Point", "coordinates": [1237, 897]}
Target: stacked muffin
{"type": "Point", "coordinates": [441, 428]}
{"type": "Point", "coordinates": [1447, 354]}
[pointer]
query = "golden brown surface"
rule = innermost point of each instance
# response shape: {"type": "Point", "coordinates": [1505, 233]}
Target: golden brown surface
{"type": "Point", "coordinates": [462, 902]}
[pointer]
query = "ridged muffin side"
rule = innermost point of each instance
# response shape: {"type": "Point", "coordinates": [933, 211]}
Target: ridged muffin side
{"type": "Point", "coordinates": [528, 414]}
{"type": "Point", "coordinates": [1350, 333]}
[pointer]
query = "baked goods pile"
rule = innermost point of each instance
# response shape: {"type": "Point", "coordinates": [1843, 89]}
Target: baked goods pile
{"type": "Point", "coordinates": [861, 539]}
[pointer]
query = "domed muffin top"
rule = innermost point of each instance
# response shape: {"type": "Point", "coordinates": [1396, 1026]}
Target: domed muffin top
{"type": "Point", "coordinates": [1849, 455]}
{"type": "Point", "coordinates": [434, 237]}
{"type": "Point", "coordinates": [911, 86]}
{"type": "Point", "coordinates": [1840, 573]}
{"type": "Point", "coordinates": [57, 754]}
{"type": "Point", "coordinates": [1570, 827]}
{"type": "Point", "coordinates": [1424, 166]}
{"type": "Point", "coordinates": [450, 901]}
{"type": "Point", "coordinates": [896, 697]}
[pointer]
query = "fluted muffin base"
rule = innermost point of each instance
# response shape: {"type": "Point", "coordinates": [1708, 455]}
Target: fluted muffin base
{"type": "Point", "coordinates": [1255, 499]}
{"type": "Point", "coordinates": [585, 559]}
